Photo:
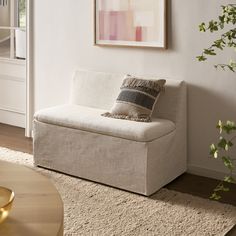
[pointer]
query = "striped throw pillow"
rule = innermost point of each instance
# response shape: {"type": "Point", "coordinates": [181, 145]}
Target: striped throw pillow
{"type": "Point", "coordinates": [137, 99]}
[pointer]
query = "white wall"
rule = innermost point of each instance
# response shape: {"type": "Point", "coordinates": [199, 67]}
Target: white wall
{"type": "Point", "coordinates": [64, 41]}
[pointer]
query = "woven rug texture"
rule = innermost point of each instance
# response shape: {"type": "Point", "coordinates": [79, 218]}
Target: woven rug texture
{"type": "Point", "coordinates": [92, 209]}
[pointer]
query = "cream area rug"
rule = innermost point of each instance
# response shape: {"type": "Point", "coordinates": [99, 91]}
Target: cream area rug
{"type": "Point", "coordinates": [97, 210]}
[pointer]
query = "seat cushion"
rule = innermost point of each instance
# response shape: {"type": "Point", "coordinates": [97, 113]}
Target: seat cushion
{"type": "Point", "coordinates": [90, 119]}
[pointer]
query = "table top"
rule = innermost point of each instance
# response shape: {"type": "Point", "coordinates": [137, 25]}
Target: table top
{"type": "Point", "coordinates": [37, 209]}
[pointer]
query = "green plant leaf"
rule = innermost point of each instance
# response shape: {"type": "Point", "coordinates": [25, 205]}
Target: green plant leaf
{"type": "Point", "coordinates": [229, 127]}
{"type": "Point", "coordinates": [210, 52]}
{"type": "Point", "coordinates": [223, 143]}
{"type": "Point", "coordinates": [229, 179]}
{"type": "Point", "coordinates": [201, 58]}
{"type": "Point", "coordinates": [202, 27]}
{"type": "Point", "coordinates": [228, 162]}
{"type": "Point", "coordinates": [220, 126]}
{"type": "Point", "coordinates": [213, 151]}
{"type": "Point", "coordinates": [215, 197]}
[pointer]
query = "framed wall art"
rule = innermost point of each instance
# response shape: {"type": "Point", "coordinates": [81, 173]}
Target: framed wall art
{"type": "Point", "coordinates": [140, 23]}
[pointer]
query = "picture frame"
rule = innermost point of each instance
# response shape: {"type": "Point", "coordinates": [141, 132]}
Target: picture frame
{"type": "Point", "coordinates": [130, 23]}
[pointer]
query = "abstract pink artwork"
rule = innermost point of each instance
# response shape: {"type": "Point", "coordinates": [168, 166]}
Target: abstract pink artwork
{"type": "Point", "coordinates": [130, 23]}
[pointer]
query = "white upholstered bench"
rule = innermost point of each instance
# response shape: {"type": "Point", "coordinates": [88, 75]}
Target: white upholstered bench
{"type": "Point", "coordinates": [135, 156]}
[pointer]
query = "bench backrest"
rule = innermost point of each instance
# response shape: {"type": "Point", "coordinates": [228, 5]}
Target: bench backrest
{"type": "Point", "coordinates": [100, 90]}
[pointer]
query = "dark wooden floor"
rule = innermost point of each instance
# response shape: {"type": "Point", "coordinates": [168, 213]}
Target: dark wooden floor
{"type": "Point", "coordinates": [13, 138]}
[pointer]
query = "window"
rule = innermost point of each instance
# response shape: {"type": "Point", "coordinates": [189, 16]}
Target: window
{"type": "Point", "coordinates": [13, 29]}
{"type": "Point", "coordinates": [22, 13]}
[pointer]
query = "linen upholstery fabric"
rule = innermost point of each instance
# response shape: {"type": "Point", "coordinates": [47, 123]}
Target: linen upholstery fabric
{"type": "Point", "coordinates": [90, 119]}
{"type": "Point", "coordinates": [137, 163]}
{"type": "Point", "coordinates": [137, 99]}
{"type": "Point", "coordinates": [141, 167]}
{"type": "Point", "coordinates": [100, 90]}
{"type": "Point", "coordinates": [95, 89]}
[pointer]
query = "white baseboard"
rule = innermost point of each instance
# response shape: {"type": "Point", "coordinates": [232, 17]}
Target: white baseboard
{"type": "Point", "coordinates": [12, 118]}
{"type": "Point", "coordinates": [210, 173]}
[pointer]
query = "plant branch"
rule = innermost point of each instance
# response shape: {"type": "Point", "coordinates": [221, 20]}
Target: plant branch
{"type": "Point", "coordinates": [220, 150]}
{"type": "Point", "coordinates": [227, 39]}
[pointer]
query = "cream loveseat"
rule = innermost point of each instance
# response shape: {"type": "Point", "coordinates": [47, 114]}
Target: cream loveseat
{"type": "Point", "coordinates": [136, 156]}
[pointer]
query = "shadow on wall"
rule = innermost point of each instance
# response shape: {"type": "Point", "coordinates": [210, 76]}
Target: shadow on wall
{"type": "Point", "coordinates": [169, 26]}
{"type": "Point", "coordinates": [209, 105]}
{"type": "Point", "coordinates": [205, 108]}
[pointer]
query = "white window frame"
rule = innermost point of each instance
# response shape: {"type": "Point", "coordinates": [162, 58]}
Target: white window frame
{"type": "Point", "coordinates": [29, 68]}
{"type": "Point", "coordinates": [13, 28]}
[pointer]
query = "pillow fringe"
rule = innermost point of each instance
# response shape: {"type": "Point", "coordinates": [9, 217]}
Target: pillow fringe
{"type": "Point", "coordinates": [157, 85]}
{"type": "Point", "coordinates": [124, 117]}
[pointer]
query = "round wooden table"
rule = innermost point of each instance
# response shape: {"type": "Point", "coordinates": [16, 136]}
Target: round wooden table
{"type": "Point", "coordinates": [37, 209]}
